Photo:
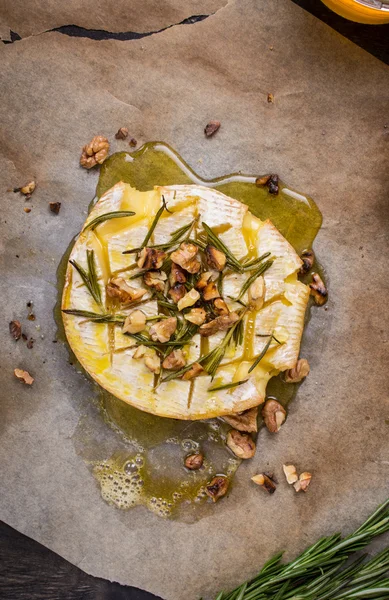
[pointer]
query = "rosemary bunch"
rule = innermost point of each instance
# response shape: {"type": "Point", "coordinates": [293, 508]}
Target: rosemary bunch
{"type": "Point", "coordinates": [320, 572]}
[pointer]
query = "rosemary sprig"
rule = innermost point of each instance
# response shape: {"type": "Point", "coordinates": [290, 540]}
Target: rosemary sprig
{"type": "Point", "coordinates": [89, 277]}
{"type": "Point", "coordinates": [262, 354]}
{"type": "Point", "coordinates": [319, 573]}
{"type": "Point", "coordinates": [151, 230]}
{"type": "Point", "coordinates": [117, 214]}
{"type": "Point", "coordinates": [238, 335]}
{"type": "Point", "coordinates": [95, 317]}
{"type": "Point", "coordinates": [155, 222]}
{"type": "Point", "coordinates": [252, 278]}
{"type": "Point", "coordinates": [220, 284]}
{"type": "Point", "coordinates": [175, 241]}
{"type": "Point", "coordinates": [232, 261]}
{"type": "Point", "coordinates": [227, 386]}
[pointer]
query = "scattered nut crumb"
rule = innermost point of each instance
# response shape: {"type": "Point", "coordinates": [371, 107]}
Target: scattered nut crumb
{"type": "Point", "coordinates": [24, 376]}
{"type": "Point", "coordinates": [211, 128]}
{"type": "Point", "coordinates": [122, 133]}
{"type": "Point", "coordinates": [265, 481]}
{"type": "Point", "coordinates": [27, 189]}
{"type": "Point", "coordinates": [194, 462]}
{"type": "Point", "coordinates": [241, 444]}
{"type": "Point", "coordinates": [271, 181]}
{"type": "Point", "coordinates": [24, 337]}
{"type": "Point", "coordinates": [260, 181]}
{"type": "Point", "coordinates": [274, 415]}
{"type": "Point", "coordinates": [30, 343]}
{"type": "Point", "coordinates": [318, 290]}
{"type": "Point", "coordinates": [299, 372]}
{"type": "Point", "coordinates": [31, 317]}
{"type": "Point", "coordinates": [308, 258]}
{"type": "Point", "coordinates": [217, 487]}
{"type": "Point", "coordinates": [132, 142]}
{"type": "Point", "coordinates": [27, 209]}
{"type": "Point", "coordinates": [15, 329]}
{"type": "Point", "coordinates": [303, 482]}
{"type": "Point", "coordinates": [290, 473]}
{"type": "Point", "coordinates": [270, 97]}
{"type": "Point", "coordinates": [55, 207]}
{"type": "Point", "coordinates": [95, 152]}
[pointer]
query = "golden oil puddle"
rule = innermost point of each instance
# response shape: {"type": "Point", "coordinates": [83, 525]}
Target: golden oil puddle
{"type": "Point", "coordinates": [138, 458]}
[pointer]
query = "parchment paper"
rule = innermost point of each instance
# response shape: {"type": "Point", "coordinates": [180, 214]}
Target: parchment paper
{"type": "Point", "coordinates": [325, 134]}
{"type": "Point", "coordinates": [28, 17]}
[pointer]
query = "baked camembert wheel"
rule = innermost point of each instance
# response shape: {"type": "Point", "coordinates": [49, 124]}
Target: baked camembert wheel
{"type": "Point", "coordinates": [182, 303]}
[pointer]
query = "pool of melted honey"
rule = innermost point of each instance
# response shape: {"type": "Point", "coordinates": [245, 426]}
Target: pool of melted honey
{"type": "Point", "coordinates": [143, 462]}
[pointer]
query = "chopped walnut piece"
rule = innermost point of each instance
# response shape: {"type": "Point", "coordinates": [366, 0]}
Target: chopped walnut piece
{"type": "Point", "coordinates": [163, 330]}
{"type": "Point", "coordinates": [189, 299]}
{"type": "Point", "coordinates": [244, 421]}
{"type": "Point", "coordinates": [265, 481]}
{"type": "Point", "coordinates": [211, 128]}
{"type": "Point", "coordinates": [299, 372]}
{"type": "Point", "coordinates": [151, 258]}
{"type": "Point", "coordinates": [177, 275]}
{"type": "Point", "coordinates": [55, 207]}
{"type": "Point", "coordinates": [256, 293]}
{"type": "Point", "coordinates": [260, 181]}
{"type": "Point", "coordinates": [221, 323]}
{"type": "Point", "coordinates": [95, 152]}
{"type": "Point", "coordinates": [205, 278]}
{"type": "Point", "coordinates": [210, 292]}
{"type": "Point", "coordinates": [152, 361]}
{"type": "Point", "coordinates": [155, 279]}
{"type": "Point", "coordinates": [308, 258]}
{"type": "Point", "coordinates": [290, 473]}
{"type": "Point", "coordinates": [177, 292]}
{"type": "Point", "coordinates": [140, 351]}
{"type": "Point", "coordinates": [217, 487]}
{"type": "Point", "coordinates": [318, 290]}
{"type": "Point", "coordinates": [273, 184]}
{"type": "Point", "coordinates": [220, 307]}
{"type": "Point", "coordinates": [193, 462]}
{"type": "Point", "coordinates": [241, 444]}
{"type": "Point", "coordinates": [122, 133]}
{"type": "Point", "coordinates": [132, 142]}
{"type": "Point", "coordinates": [174, 361]}
{"type": "Point", "coordinates": [135, 322]}
{"type": "Point", "coordinates": [118, 288]}
{"type": "Point", "coordinates": [186, 256]}
{"type": "Point", "coordinates": [215, 258]}
{"type": "Point", "coordinates": [195, 370]}
{"type": "Point", "coordinates": [270, 97]}
{"type": "Point", "coordinates": [274, 415]}
{"type": "Point", "coordinates": [24, 376]}
{"type": "Point", "coordinates": [15, 329]}
{"type": "Point", "coordinates": [303, 482]}
{"type": "Point", "coordinates": [196, 316]}
{"type": "Point", "coordinates": [27, 189]}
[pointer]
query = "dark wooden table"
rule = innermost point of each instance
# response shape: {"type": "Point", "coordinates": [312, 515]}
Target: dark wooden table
{"type": "Point", "coordinates": [30, 571]}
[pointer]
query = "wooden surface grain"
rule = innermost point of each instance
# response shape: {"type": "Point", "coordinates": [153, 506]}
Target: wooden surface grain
{"type": "Point", "coordinates": [30, 571]}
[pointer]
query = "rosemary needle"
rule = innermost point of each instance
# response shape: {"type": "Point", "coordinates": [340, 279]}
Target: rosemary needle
{"type": "Point", "coordinates": [117, 214]}
{"type": "Point", "coordinates": [227, 386]}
